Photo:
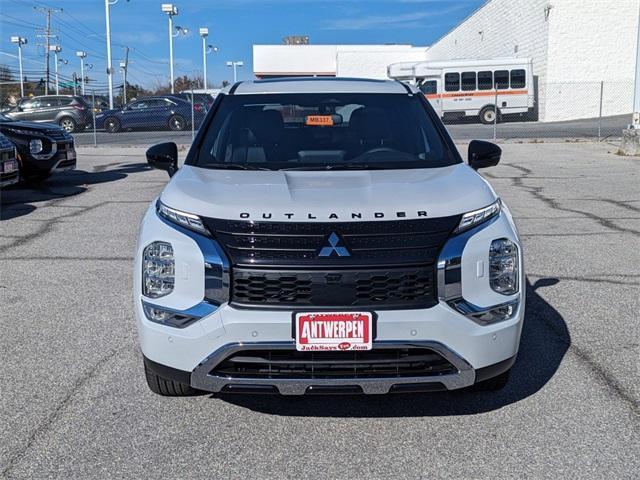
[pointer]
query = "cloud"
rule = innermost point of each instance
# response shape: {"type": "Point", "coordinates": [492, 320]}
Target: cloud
{"type": "Point", "coordinates": [372, 22]}
{"type": "Point", "coordinates": [140, 38]}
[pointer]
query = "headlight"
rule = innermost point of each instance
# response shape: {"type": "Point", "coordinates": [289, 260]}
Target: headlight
{"type": "Point", "coordinates": [35, 146]}
{"type": "Point", "coordinates": [158, 270]}
{"type": "Point", "coordinates": [503, 266]}
{"type": "Point", "coordinates": [187, 220]}
{"type": "Point", "coordinates": [471, 219]}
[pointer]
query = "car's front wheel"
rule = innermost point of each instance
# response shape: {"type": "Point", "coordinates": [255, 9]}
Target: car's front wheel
{"type": "Point", "coordinates": [165, 386]}
{"type": "Point", "coordinates": [112, 125]}
{"type": "Point", "coordinates": [177, 123]}
{"type": "Point", "coordinates": [68, 124]}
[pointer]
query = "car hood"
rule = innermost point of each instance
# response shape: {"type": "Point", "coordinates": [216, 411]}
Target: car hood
{"type": "Point", "coordinates": [36, 127]}
{"type": "Point", "coordinates": [102, 113]}
{"type": "Point", "coordinates": [332, 196]}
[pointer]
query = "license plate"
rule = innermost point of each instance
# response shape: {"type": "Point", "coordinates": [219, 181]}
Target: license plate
{"type": "Point", "coordinates": [10, 167]}
{"type": "Point", "coordinates": [71, 155]}
{"type": "Point", "coordinates": [329, 331]}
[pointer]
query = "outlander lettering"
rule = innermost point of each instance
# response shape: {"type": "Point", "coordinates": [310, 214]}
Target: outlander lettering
{"type": "Point", "coordinates": [334, 249]}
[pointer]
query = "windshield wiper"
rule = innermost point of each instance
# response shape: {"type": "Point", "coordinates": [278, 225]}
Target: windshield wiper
{"type": "Point", "coordinates": [233, 166]}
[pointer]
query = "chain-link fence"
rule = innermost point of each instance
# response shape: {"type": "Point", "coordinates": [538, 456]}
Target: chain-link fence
{"type": "Point", "coordinates": [144, 121]}
{"type": "Point", "coordinates": [569, 110]}
{"type": "Point", "coordinates": [593, 111]}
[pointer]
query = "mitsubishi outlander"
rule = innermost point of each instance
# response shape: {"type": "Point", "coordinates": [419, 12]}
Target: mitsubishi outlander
{"type": "Point", "coordinates": [325, 236]}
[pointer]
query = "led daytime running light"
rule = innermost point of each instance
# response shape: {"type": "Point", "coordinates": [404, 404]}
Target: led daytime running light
{"type": "Point", "coordinates": [187, 220]}
{"type": "Point", "coordinates": [476, 217]}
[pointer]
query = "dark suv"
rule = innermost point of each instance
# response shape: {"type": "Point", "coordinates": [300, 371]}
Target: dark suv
{"type": "Point", "coordinates": [71, 112]}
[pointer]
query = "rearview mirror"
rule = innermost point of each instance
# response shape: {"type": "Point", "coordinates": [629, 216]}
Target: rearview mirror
{"type": "Point", "coordinates": [483, 154]}
{"type": "Point", "coordinates": [164, 156]}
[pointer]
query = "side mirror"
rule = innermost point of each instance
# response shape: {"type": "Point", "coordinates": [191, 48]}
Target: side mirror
{"type": "Point", "coordinates": [483, 154]}
{"type": "Point", "coordinates": [164, 156]}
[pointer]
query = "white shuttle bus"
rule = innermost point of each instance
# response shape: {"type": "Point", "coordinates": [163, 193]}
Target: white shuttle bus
{"type": "Point", "coordinates": [473, 88]}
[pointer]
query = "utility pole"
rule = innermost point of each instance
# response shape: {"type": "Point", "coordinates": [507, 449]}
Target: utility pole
{"type": "Point", "coordinates": [125, 65]}
{"type": "Point", "coordinates": [204, 33]}
{"type": "Point", "coordinates": [235, 66]}
{"type": "Point", "coordinates": [631, 135]}
{"type": "Point", "coordinates": [47, 36]}
{"type": "Point", "coordinates": [636, 92]}
{"type": "Point", "coordinates": [56, 49]}
{"type": "Point", "coordinates": [20, 41]}
{"type": "Point", "coordinates": [82, 55]}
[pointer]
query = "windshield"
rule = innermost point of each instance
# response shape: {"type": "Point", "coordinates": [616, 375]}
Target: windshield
{"type": "Point", "coordinates": [322, 131]}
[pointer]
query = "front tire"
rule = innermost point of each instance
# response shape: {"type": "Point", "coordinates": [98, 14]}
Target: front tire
{"type": "Point", "coordinates": [488, 115]}
{"type": "Point", "coordinates": [165, 386]}
{"type": "Point", "coordinates": [177, 123]}
{"type": "Point", "coordinates": [112, 125]}
{"type": "Point", "coordinates": [68, 124]}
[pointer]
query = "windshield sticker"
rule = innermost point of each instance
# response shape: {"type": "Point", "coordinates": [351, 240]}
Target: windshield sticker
{"type": "Point", "coordinates": [319, 120]}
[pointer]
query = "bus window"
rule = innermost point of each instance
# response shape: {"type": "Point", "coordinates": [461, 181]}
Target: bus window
{"type": "Point", "coordinates": [429, 87]}
{"type": "Point", "coordinates": [452, 82]}
{"type": "Point", "coordinates": [468, 81]}
{"type": "Point", "coordinates": [518, 78]}
{"type": "Point", "coordinates": [502, 78]}
{"type": "Point", "coordinates": [485, 80]}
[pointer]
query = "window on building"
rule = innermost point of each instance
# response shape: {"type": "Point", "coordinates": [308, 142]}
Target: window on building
{"type": "Point", "coordinates": [429, 87]}
{"type": "Point", "coordinates": [452, 82]}
{"type": "Point", "coordinates": [518, 78]}
{"type": "Point", "coordinates": [485, 80]}
{"type": "Point", "coordinates": [501, 78]}
{"type": "Point", "coordinates": [468, 81]}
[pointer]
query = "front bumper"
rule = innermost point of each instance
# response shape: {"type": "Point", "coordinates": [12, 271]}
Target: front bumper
{"type": "Point", "coordinates": [477, 351]}
{"type": "Point", "coordinates": [64, 158]}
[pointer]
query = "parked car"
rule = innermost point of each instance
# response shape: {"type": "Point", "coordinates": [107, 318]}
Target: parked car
{"type": "Point", "coordinates": [70, 112]}
{"type": "Point", "coordinates": [202, 98]}
{"type": "Point", "coordinates": [98, 103]}
{"type": "Point", "coordinates": [158, 112]}
{"type": "Point", "coordinates": [8, 163]}
{"type": "Point", "coordinates": [325, 236]}
{"type": "Point", "coordinates": [42, 149]}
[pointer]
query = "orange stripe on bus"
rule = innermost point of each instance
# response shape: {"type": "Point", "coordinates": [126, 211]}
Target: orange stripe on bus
{"type": "Point", "coordinates": [488, 93]}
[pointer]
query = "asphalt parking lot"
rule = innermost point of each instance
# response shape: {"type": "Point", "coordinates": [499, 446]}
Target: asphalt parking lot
{"type": "Point", "coordinates": [74, 404]}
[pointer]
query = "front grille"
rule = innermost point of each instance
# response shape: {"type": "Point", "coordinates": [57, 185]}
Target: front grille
{"type": "Point", "coordinates": [370, 288]}
{"type": "Point", "coordinates": [391, 264]}
{"type": "Point", "coordinates": [381, 243]}
{"type": "Point", "coordinates": [58, 135]}
{"type": "Point", "coordinates": [376, 363]}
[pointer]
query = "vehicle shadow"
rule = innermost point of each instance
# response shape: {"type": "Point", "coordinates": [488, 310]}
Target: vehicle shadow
{"type": "Point", "coordinates": [545, 340]}
{"type": "Point", "coordinates": [18, 200]}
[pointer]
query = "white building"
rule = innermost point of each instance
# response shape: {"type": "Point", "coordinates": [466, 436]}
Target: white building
{"type": "Point", "coordinates": [575, 45]}
{"type": "Point", "coordinates": [366, 61]}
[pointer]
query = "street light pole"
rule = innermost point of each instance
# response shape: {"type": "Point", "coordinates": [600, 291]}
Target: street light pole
{"type": "Point", "coordinates": [56, 49]}
{"type": "Point", "coordinates": [636, 93]}
{"type": "Point", "coordinates": [20, 41]}
{"type": "Point", "coordinates": [204, 32]}
{"type": "Point", "coordinates": [82, 56]}
{"type": "Point", "coordinates": [107, 4]}
{"type": "Point", "coordinates": [235, 66]}
{"type": "Point", "coordinates": [171, 10]}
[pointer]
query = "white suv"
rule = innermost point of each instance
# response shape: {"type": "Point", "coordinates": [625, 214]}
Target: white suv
{"type": "Point", "coordinates": [324, 236]}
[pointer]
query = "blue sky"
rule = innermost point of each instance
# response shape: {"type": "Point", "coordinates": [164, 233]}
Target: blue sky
{"type": "Point", "coordinates": [234, 26]}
